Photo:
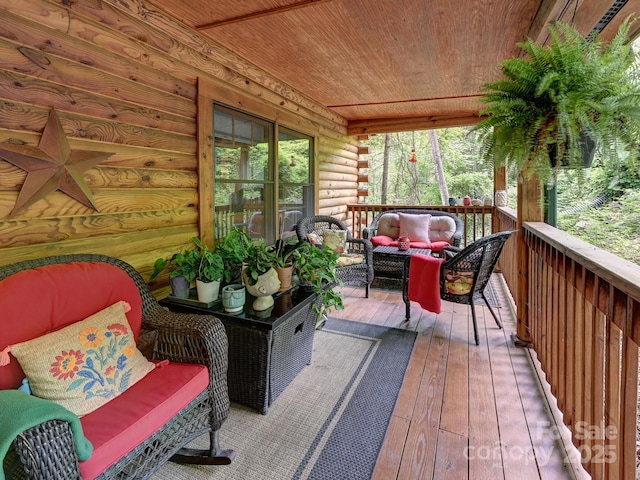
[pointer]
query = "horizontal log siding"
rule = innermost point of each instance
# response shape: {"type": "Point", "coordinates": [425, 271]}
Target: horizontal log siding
{"type": "Point", "coordinates": [585, 326]}
{"type": "Point", "coordinates": [477, 220]}
{"type": "Point", "coordinates": [123, 78]}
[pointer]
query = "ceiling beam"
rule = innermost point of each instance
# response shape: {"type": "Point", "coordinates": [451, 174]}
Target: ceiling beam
{"type": "Point", "coordinates": [263, 13]}
{"type": "Point", "coordinates": [550, 11]}
{"type": "Point", "coordinates": [407, 124]}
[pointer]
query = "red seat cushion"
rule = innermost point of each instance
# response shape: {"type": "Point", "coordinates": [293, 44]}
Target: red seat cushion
{"type": "Point", "coordinates": [438, 246]}
{"type": "Point", "coordinates": [126, 421]}
{"type": "Point", "coordinates": [383, 240]}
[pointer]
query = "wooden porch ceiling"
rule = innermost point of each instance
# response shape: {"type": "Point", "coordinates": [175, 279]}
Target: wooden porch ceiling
{"type": "Point", "coordinates": [388, 65]}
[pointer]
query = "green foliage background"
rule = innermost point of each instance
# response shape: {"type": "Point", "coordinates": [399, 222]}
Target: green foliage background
{"type": "Point", "coordinates": [416, 183]}
{"type": "Point", "coordinates": [613, 226]}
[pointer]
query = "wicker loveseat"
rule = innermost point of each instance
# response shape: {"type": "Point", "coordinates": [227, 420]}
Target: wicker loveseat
{"type": "Point", "coordinates": [183, 395]}
{"type": "Point", "coordinates": [385, 229]}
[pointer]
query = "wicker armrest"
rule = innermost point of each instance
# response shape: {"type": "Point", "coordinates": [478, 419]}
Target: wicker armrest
{"type": "Point", "coordinates": [450, 252]}
{"type": "Point", "coordinates": [46, 451]}
{"type": "Point", "coordinates": [362, 247]}
{"type": "Point", "coordinates": [369, 232]}
{"type": "Point", "coordinates": [194, 338]}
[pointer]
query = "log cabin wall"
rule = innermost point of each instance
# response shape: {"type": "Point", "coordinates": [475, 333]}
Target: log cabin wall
{"type": "Point", "coordinates": [123, 79]}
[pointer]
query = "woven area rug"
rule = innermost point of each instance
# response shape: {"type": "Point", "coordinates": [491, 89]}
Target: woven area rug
{"type": "Point", "coordinates": [329, 422]}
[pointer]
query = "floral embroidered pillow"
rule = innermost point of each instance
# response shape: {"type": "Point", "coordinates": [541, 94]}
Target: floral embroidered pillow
{"type": "Point", "coordinates": [335, 239]}
{"type": "Point", "coordinates": [84, 365]}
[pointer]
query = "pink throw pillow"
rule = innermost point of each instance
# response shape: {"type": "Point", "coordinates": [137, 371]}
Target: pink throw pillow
{"type": "Point", "coordinates": [416, 227]}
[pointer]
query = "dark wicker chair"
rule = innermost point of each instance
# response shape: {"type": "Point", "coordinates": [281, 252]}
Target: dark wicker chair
{"type": "Point", "coordinates": [47, 451]}
{"type": "Point", "coordinates": [360, 275]}
{"type": "Point", "coordinates": [475, 262]}
{"type": "Point", "coordinates": [370, 231]}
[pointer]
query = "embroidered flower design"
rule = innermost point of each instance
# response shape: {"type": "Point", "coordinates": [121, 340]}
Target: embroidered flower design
{"type": "Point", "coordinates": [67, 364]}
{"type": "Point", "coordinates": [101, 370]}
{"type": "Point", "coordinates": [91, 337]}
{"type": "Point", "coordinates": [118, 329]}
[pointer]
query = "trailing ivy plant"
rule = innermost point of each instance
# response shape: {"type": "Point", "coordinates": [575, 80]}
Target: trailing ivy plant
{"type": "Point", "coordinates": [555, 94]}
{"type": "Point", "coordinates": [317, 266]}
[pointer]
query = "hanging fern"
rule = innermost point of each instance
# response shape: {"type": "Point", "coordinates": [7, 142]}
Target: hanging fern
{"type": "Point", "coordinates": [558, 92]}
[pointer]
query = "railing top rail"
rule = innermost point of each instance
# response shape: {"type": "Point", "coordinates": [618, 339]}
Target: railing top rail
{"type": "Point", "coordinates": [620, 273]}
{"type": "Point", "coordinates": [509, 212]}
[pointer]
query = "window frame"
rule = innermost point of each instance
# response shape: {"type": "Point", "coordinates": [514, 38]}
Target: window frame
{"type": "Point", "coordinates": [210, 92]}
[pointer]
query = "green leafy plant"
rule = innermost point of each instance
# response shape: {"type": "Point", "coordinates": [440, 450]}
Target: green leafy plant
{"type": "Point", "coordinates": [259, 260]}
{"type": "Point", "coordinates": [285, 251]}
{"type": "Point", "coordinates": [558, 93]}
{"type": "Point", "coordinates": [210, 265]}
{"type": "Point", "coordinates": [183, 264]}
{"type": "Point", "coordinates": [233, 249]}
{"type": "Point", "coordinates": [317, 266]}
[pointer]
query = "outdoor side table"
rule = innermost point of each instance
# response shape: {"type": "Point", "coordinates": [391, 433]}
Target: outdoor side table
{"type": "Point", "coordinates": [267, 350]}
{"type": "Point", "coordinates": [395, 263]}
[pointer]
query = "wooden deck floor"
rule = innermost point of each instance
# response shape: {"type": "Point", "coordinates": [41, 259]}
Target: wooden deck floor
{"type": "Point", "coordinates": [464, 411]}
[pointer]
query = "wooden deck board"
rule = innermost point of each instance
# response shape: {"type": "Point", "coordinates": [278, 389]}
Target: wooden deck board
{"type": "Point", "coordinates": [464, 411]}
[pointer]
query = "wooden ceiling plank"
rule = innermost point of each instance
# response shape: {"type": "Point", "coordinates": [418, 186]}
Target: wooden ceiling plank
{"type": "Point", "coordinates": [263, 13]}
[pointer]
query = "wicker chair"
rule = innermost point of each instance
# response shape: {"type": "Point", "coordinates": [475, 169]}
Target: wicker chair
{"type": "Point", "coordinates": [47, 451]}
{"type": "Point", "coordinates": [360, 275]}
{"type": "Point", "coordinates": [476, 263]}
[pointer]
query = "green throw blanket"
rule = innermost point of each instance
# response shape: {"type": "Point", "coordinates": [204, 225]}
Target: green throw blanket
{"type": "Point", "coordinates": [19, 412]}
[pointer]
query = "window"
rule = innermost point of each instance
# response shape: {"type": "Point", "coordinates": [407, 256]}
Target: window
{"type": "Point", "coordinates": [249, 183]}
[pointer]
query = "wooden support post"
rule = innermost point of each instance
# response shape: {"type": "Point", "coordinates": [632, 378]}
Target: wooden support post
{"type": "Point", "coordinates": [529, 210]}
{"type": "Point", "coordinates": [499, 183]}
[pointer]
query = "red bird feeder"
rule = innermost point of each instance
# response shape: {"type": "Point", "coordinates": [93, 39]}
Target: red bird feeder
{"type": "Point", "coordinates": [413, 156]}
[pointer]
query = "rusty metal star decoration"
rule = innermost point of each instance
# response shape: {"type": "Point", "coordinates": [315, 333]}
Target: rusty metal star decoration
{"type": "Point", "coordinates": [51, 166]}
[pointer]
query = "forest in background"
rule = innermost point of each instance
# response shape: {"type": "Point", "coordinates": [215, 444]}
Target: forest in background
{"type": "Point", "coordinates": [600, 205]}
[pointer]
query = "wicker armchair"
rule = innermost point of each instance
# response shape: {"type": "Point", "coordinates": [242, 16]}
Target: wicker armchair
{"type": "Point", "coordinates": [475, 263]}
{"type": "Point", "coordinates": [360, 275]}
{"type": "Point", "coordinates": [47, 451]}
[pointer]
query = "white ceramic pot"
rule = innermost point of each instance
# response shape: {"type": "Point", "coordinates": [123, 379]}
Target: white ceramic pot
{"type": "Point", "coordinates": [207, 291]}
{"type": "Point", "coordinates": [268, 283]}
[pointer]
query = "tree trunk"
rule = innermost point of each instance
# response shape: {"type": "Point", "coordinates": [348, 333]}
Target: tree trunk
{"type": "Point", "coordinates": [437, 162]}
{"type": "Point", "coordinates": [385, 168]}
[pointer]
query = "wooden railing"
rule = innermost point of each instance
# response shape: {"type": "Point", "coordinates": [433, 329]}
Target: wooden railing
{"type": "Point", "coordinates": [584, 309]}
{"type": "Point", "coordinates": [505, 218]}
{"type": "Point", "coordinates": [477, 220]}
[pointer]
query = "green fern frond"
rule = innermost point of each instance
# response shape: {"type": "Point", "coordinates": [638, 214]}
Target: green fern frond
{"type": "Point", "coordinates": [558, 92]}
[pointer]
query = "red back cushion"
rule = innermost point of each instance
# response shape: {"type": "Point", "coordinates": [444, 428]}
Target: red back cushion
{"type": "Point", "coordinates": [38, 301]}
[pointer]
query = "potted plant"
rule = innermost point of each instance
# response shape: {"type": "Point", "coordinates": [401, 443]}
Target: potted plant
{"type": "Point", "coordinates": [558, 96]}
{"type": "Point", "coordinates": [315, 266]}
{"type": "Point", "coordinates": [233, 249]}
{"type": "Point", "coordinates": [259, 275]}
{"type": "Point", "coordinates": [285, 250]}
{"type": "Point", "coordinates": [183, 269]}
{"type": "Point", "coordinates": [209, 273]}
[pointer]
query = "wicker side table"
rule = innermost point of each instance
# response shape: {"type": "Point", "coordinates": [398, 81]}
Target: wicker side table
{"type": "Point", "coordinates": [265, 354]}
{"type": "Point", "coordinates": [394, 263]}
